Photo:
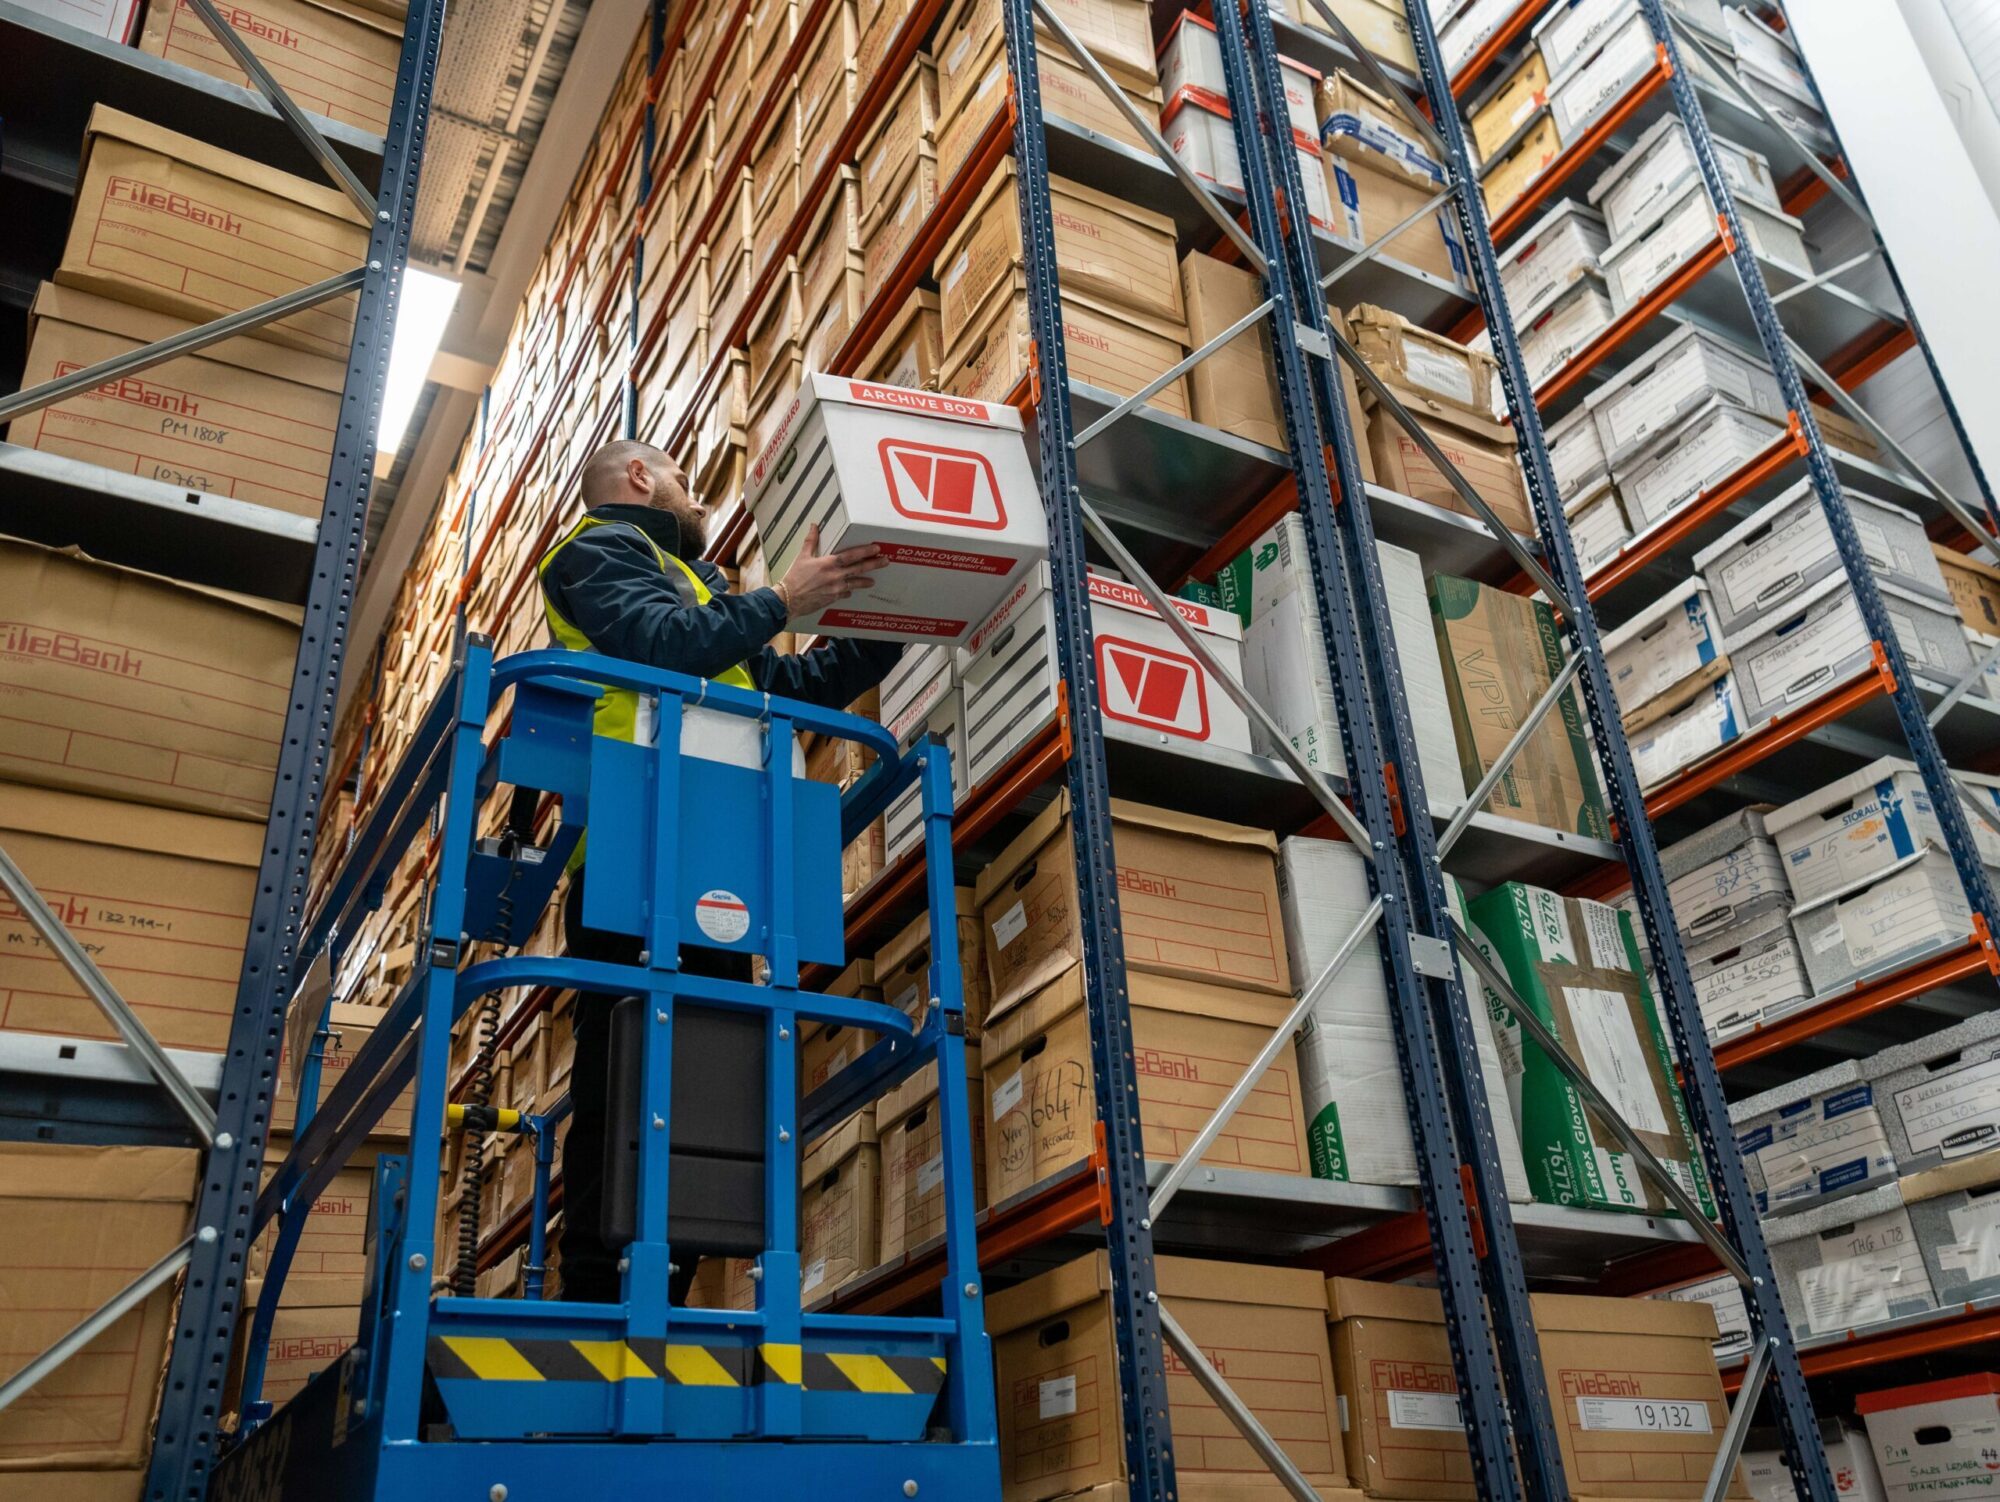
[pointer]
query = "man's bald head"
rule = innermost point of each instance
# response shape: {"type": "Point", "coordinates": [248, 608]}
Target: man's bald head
{"type": "Point", "coordinates": [627, 472]}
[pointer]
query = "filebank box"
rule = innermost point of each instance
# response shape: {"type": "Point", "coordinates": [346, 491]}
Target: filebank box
{"type": "Point", "coordinates": [941, 484]}
{"type": "Point", "coordinates": [1723, 874]}
{"type": "Point", "coordinates": [1701, 451]}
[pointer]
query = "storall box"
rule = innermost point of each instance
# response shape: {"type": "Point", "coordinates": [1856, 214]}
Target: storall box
{"type": "Point", "coordinates": [88, 1221]}
{"type": "Point", "coordinates": [242, 418]}
{"type": "Point", "coordinates": [1200, 901]}
{"type": "Point", "coordinates": [1936, 1438]}
{"type": "Point", "coordinates": [336, 58]}
{"type": "Point", "coordinates": [137, 687]}
{"type": "Point", "coordinates": [1575, 963]}
{"type": "Point", "coordinates": [161, 897]}
{"type": "Point", "coordinates": [174, 224]}
{"type": "Point", "coordinates": [1500, 653]}
{"type": "Point", "coordinates": [1058, 1380]}
{"type": "Point", "coordinates": [1633, 1388]}
{"type": "Point", "coordinates": [942, 485]}
{"type": "Point", "coordinates": [1191, 1045]}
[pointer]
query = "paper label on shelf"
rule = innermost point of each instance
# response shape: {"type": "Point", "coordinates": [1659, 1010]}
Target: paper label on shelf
{"type": "Point", "coordinates": [1876, 1264]}
{"type": "Point", "coordinates": [815, 1274]}
{"type": "Point", "coordinates": [1955, 1112]}
{"type": "Point", "coordinates": [1616, 1055]}
{"type": "Point", "coordinates": [930, 1174]}
{"type": "Point", "coordinates": [1424, 1410]}
{"type": "Point", "coordinates": [1058, 1397]}
{"type": "Point", "coordinates": [1975, 1250]}
{"type": "Point", "coordinates": [1436, 371]}
{"type": "Point", "coordinates": [1644, 1416]}
{"type": "Point", "coordinates": [1009, 925]}
{"type": "Point", "coordinates": [1007, 1095]}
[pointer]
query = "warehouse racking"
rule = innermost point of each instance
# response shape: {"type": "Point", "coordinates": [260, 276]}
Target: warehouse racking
{"type": "Point", "coordinates": [1104, 487]}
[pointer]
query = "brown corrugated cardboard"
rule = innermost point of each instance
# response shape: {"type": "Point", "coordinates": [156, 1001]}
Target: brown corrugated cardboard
{"type": "Point", "coordinates": [827, 1048]}
{"type": "Point", "coordinates": [1607, 1362]}
{"type": "Point", "coordinates": [830, 256]}
{"type": "Point", "coordinates": [1379, 25]}
{"type": "Point", "coordinates": [887, 238]}
{"type": "Point", "coordinates": [1441, 369]}
{"type": "Point", "coordinates": [331, 1259]}
{"type": "Point", "coordinates": [774, 329]}
{"type": "Point", "coordinates": [1191, 1044]}
{"type": "Point", "coordinates": [335, 59]}
{"type": "Point", "coordinates": [910, 353]}
{"type": "Point", "coordinates": [1200, 900]}
{"type": "Point", "coordinates": [305, 1340]}
{"type": "Point", "coordinates": [1974, 586]}
{"type": "Point", "coordinates": [185, 228]}
{"type": "Point", "coordinates": [88, 1221]}
{"type": "Point", "coordinates": [162, 897]}
{"type": "Point", "coordinates": [1118, 33]}
{"type": "Point", "coordinates": [242, 418]}
{"type": "Point", "coordinates": [906, 127]}
{"type": "Point", "coordinates": [839, 1207]}
{"type": "Point", "coordinates": [1482, 450]}
{"type": "Point", "coordinates": [1112, 349]}
{"type": "Point", "coordinates": [1369, 197]}
{"type": "Point", "coordinates": [1507, 108]}
{"type": "Point", "coordinates": [349, 1028]}
{"type": "Point", "coordinates": [1236, 388]}
{"type": "Point", "coordinates": [902, 966]}
{"type": "Point", "coordinates": [723, 1283]}
{"type": "Point", "coordinates": [1111, 251]}
{"type": "Point", "coordinates": [138, 687]}
{"type": "Point", "coordinates": [1508, 178]}
{"type": "Point", "coordinates": [72, 1486]}
{"type": "Point", "coordinates": [1059, 1384]}
{"type": "Point", "coordinates": [912, 1140]}
{"type": "Point", "coordinates": [1500, 653]}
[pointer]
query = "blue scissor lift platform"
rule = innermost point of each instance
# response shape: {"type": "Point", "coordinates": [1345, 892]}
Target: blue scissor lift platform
{"type": "Point", "coordinates": [706, 835]}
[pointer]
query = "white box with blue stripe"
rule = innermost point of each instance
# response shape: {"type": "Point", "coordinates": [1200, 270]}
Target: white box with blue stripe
{"type": "Point", "coordinates": [1814, 1139]}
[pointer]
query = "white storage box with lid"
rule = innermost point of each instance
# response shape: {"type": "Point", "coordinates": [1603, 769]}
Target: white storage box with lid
{"type": "Point", "coordinates": [1571, 29]}
{"type": "Point", "coordinates": [1916, 909]}
{"type": "Point", "coordinates": [1643, 257]}
{"type": "Point", "coordinates": [1637, 187]}
{"type": "Point", "coordinates": [1724, 875]}
{"type": "Point", "coordinates": [1858, 827]}
{"type": "Point", "coordinates": [1191, 58]}
{"type": "Point", "coordinates": [1595, 80]}
{"type": "Point", "coordinates": [1848, 1264]}
{"type": "Point", "coordinates": [902, 822]}
{"type": "Point", "coordinates": [919, 679]}
{"type": "Point", "coordinates": [1813, 1140]}
{"type": "Point", "coordinates": [1941, 1094]}
{"type": "Point", "coordinates": [1767, 1474]}
{"type": "Point", "coordinates": [1150, 688]}
{"type": "Point", "coordinates": [1598, 527]}
{"type": "Point", "coordinates": [1470, 24]}
{"type": "Point", "coordinates": [1671, 641]}
{"type": "Point", "coordinates": [942, 484]}
{"type": "Point", "coordinates": [1008, 668]}
{"type": "Point", "coordinates": [1703, 449]}
{"type": "Point", "coordinates": [1561, 246]}
{"type": "Point", "coordinates": [1747, 973]}
{"type": "Point", "coordinates": [1709, 719]}
{"type": "Point", "coordinates": [1198, 129]}
{"type": "Point", "coordinates": [1575, 454]}
{"type": "Point", "coordinates": [1786, 546]}
{"type": "Point", "coordinates": [1791, 656]}
{"type": "Point", "coordinates": [1935, 1439]}
{"type": "Point", "coordinates": [1675, 377]}
{"type": "Point", "coordinates": [1578, 315]}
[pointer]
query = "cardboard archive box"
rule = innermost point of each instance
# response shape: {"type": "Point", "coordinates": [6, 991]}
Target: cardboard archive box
{"type": "Point", "coordinates": [1500, 654]}
{"type": "Point", "coordinates": [132, 686]}
{"type": "Point", "coordinates": [349, 1027]}
{"type": "Point", "coordinates": [1058, 1381]}
{"type": "Point", "coordinates": [336, 58]}
{"type": "Point", "coordinates": [839, 1206]}
{"type": "Point", "coordinates": [1576, 964]}
{"type": "Point", "coordinates": [306, 1339]}
{"type": "Point", "coordinates": [241, 418]}
{"type": "Point", "coordinates": [99, 1216]}
{"type": "Point", "coordinates": [1236, 388]}
{"type": "Point", "coordinates": [1115, 350]}
{"type": "Point", "coordinates": [1378, 175]}
{"type": "Point", "coordinates": [330, 1263]}
{"type": "Point", "coordinates": [902, 966]}
{"type": "Point", "coordinates": [912, 1140]}
{"type": "Point", "coordinates": [1480, 448]}
{"type": "Point", "coordinates": [173, 224]}
{"type": "Point", "coordinates": [162, 896]}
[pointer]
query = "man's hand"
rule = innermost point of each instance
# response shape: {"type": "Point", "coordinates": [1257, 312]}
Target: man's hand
{"type": "Point", "coordinates": [814, 582]}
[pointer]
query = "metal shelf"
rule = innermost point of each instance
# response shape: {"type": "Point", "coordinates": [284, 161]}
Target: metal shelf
{"type": "Point", "coordinates": [187, 534]}
{"type": "Point", "coordinates": [55, 73]}
{"type": "Point", "coordinates": [83, 1090]}
{"type": "Point", "coordinates": [1934, 1332]}
{"type": "Point", "coordinates": [1447, 542]}
{"type": "Point", "coordinates": [1321, 50]}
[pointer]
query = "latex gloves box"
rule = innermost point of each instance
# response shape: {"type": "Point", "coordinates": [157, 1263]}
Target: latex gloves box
{"type": "Point", "coordinates": [942, 484]}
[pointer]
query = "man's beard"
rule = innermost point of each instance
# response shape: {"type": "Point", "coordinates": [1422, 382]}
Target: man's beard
{"type": "Point", "coordinates": [682, 508]}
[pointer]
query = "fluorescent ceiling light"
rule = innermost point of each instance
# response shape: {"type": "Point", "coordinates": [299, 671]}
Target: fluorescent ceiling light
{"type": "Point", "coordinates": [425, 309]}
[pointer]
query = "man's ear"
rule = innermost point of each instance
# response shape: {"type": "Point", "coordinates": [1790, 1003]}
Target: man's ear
{"type": "Point", "coordinates": [638, 476]}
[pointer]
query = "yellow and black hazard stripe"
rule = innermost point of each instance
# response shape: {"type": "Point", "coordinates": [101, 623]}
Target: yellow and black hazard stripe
{"type": "Point", "coordinates": [491, 1358]}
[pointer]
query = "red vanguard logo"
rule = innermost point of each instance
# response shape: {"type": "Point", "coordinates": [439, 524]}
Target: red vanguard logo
{"type": "Point", "coordinates": [1144, 685]}
{"type": "Point", "coordinates": [933, 484]}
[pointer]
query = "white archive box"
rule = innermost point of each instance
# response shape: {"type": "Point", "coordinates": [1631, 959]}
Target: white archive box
{"type": "Point", "coordinates": [902, 821]}
{"type": "Point", "coordinates": [919, 679]}
{"type": "Point", "coordinates": [1593, 81]}
{"type": "Point", "coordinates": [1675, 377]}
{"type": "Point", "coordinates": [1570, 30]}
{"type": "Point", "coordinates": [1859, 826]}
{"type": "Point", "coordinates": [1935, 1439]}
{"type": "Point", "coordinates": [1747, 973]}
{"type": "Point", "coordinates": [1191, 58]}
{"type": "Point", "coordinates": [1198, 129]}
{"type": "Point", "coordinates": [1635, 190]}
{"type": "Point", "coordinates": [1470, 24]}
{"type": "Point", "coordinates": [1009, 675]}
{"type": "Point", "coordinates": [1150, 688]}
{"type": "Point", "coordinates": [1786, 546]}
{"type": "Point", "coordinates": [1357, 1120]}
{"type": "Point", "coordinates": [1576, 455]}
{"type": "Point", "coordinates": [1553, 252]}
{"type": "Point", "coordinates": [1645, 256]}
{"type": "Point", "coordinates": [1697, 453]}
{"type": "Point", "coordinates": [1847, 1264]}
{"type": "Point", "coordinates": [1724, 1295]}
{"type": "Point", "coordinates": [1724, 875]}
{"type": "Point", "coordinates": [1781, 89]}
{"type": "Point", "coordinates": [1770, 50]}
{"type": "Point", "coordinates": [1673, 640]}
{"type": "Point", "coordinates": [1598, 527]}
{"type": "Point", "coordinates": [1918, 908]}
{"type": "Point", "coordinates": [1707, 718]}
{"type": "Point", "coordinates": [942, 484]}
{"type": "Point", "coordinates": [1940, 1094]}
{"type": "Point", "coordinates": [1579, 314]}
{"type": "Point", "coordinates": [1767, 1475]}
{"type": "Point", "coordinates": [1792, 656]}
{"type": "Point", "coordinates": [112, 19]}
{"type": "Point", "coordinates": [1814, 1139]}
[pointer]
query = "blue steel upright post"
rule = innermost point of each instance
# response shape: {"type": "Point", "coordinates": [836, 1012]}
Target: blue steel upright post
{"type": "Point", "coordinates": [1129, 1235]}
{"type": "Point", "coordinates": [212, 1298]}
{"type": "Point", "coordinates": [1502, 1393]}
{"type": "Point", "coordinates": [1707, 1110]}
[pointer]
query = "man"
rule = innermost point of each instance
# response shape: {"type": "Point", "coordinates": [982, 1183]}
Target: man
{"type": "Point", "coordinates": [628, 580]}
